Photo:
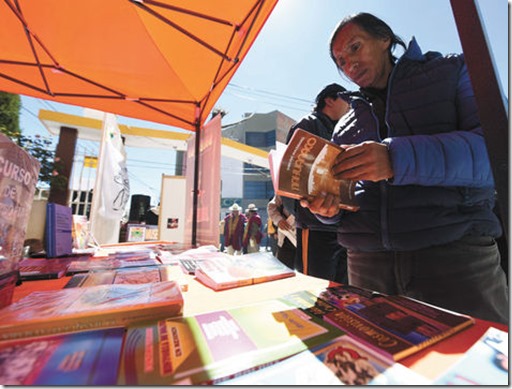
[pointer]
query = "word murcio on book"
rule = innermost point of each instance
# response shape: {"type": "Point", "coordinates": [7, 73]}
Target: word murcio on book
{"type": "Point", "coordinates": [299, 162]}
{"type": "Point", "coordinates": [11, 170]}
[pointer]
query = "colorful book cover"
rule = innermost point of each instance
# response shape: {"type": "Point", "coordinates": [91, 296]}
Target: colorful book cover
{"type": "Point", "coordinates": [303, 170]}
{"type": "Point", "coordinates": [78, 309]}
{"type": "Point", "coordinates": [342, 361]}
{"type": "Point", "coordinates": [224, 271]}
{"type": "Point", "coordinates": [83, 266]}
{"type": "Point", "coordinates": [397, 326]}
{"type": "Point", "coordinates": [59, 230]}
{"type": "Point", "coordinates": [86, 358]}
{"type": "Point", "coordinates": [135, 232]}
{"type": "Point", "coordinates": [214, 346]}
{"type": "Point", "coordinates": [42, 268]}
{"type": "Point", "coordinates": [18, 181]}
{"type": "Point", "coordinates": [485, 363]}
{"type": "Point", "coordinates": [129, 275]}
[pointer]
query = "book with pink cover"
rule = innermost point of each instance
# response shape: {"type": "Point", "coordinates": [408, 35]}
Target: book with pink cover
{"type": "Point", "coordinates": [78, 309]}
{"type": "Point", "coordinates": [303, 170]}
{"type": "Point", "coordinates": [221, 271]}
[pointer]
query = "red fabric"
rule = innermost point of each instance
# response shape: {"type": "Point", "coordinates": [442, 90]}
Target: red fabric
{"type": "Point", "coordinates": [234, 239]}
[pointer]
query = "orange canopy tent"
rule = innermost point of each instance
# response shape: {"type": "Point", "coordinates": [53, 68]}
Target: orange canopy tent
{"type": "Point", "coordinates": [164, 61]}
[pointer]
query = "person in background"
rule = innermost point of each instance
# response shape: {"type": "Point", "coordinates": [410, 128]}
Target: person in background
{"type": "Point", "coordinates": [234, 224]}
{"type": "Point", "coordinates": [414, 144]}
{"type": "Point", "coordinates": [318, 252]}
{"type": "Point", "coordinates": [286, 231]}
{"type": "Point", "coordinates": [252, 233]}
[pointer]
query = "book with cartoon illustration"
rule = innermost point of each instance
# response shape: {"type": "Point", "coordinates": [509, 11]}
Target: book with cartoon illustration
{"type": "Point", "coordinates": [303, 170]}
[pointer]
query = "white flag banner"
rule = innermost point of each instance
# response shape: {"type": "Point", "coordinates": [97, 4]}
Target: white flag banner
{"type": "Point", "coordinates": [115, 186]}
{"type": "Point", "coordinates": [112, 188]}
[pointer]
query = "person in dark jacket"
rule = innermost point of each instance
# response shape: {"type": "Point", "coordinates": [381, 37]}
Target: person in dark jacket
{"type": "Point", "coordinates": [318, 252]}
{"type": "Point", "coordinates": [414, 144]}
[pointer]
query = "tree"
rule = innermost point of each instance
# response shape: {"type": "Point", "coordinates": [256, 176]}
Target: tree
{"type": "Point", "coordinates": [39, 147]}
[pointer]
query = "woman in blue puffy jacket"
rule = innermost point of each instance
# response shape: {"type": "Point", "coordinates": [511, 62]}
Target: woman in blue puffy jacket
{"type": "Point", "coordinates": [413, 141]}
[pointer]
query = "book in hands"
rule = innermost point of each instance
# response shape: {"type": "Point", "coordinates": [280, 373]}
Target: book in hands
{"type": "Point", "coordinates": [79, 309]}
{"type": "Point", "coordinates": [303, 170]}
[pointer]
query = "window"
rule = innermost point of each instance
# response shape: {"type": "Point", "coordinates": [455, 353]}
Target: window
{"type": "Point", "coordinates": [258, 190]}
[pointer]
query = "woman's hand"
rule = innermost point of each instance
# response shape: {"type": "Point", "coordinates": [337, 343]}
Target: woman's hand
{"type": "Point", "coordinates": [324, 204]}
{"type": "Point", "coordinates": [365, 161]}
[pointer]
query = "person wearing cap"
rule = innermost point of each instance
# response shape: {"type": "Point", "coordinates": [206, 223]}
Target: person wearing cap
{"type": "Point", "coordinates": [318, 252]}
{"type": "Point", "coordinates": [234, 230]}
{"type": "Point", "coordinates": [252, 233]}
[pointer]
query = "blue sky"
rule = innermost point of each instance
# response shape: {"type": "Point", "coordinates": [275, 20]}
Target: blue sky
{"type": "Point", "coordinates": [289, 63]}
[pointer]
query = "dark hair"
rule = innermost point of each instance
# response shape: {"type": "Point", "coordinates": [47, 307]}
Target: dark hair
{"type": "Point", "coordinates": [331, 91]}
{"type": "Point", "coordinates": [373, 26]}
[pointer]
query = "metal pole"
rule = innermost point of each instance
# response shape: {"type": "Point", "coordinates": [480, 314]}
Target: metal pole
{"type": "Point", "coordinates": [195, 191]}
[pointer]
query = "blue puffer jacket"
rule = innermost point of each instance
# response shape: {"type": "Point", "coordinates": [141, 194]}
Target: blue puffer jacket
{"type": "Point", "coordinates": [442, 187]}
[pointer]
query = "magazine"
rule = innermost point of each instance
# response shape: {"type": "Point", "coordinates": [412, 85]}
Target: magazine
{"type": "Point", "coordinates": [88, 358]}
{"type": "Point", "coordinates": [78, 309]}
{"type": "Point", "coordinates": [303, 170]}
{"type": "Point", "coordinates": [211, 347]}
{"type": "Point", "coordinates": [485, 363]}
{"type": "Point", "coordinates": [223, 271]}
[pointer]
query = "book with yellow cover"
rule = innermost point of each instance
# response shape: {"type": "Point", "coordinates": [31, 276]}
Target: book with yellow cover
{"type": "Point", "coordinates": [78, 309]}
{"type": "Point", "coordinates": [303, 170]}
{"type": "Point", "coordinates": [214, 346]}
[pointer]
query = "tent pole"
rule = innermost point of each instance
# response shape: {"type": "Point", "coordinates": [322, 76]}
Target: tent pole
{"type": "Point", "coordinates": [489, 98]}
{"type": "Point", "coordinates": [195, 191]}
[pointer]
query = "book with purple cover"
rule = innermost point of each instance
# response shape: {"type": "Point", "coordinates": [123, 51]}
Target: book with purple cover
{"type": "Point", "coordinates": [43, 269]}
{"type": "Point", "coordinates": [58, 230]}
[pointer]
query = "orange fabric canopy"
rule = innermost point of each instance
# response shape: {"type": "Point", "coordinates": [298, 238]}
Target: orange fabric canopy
{"type": "Point", "coordinates": [164, 61]}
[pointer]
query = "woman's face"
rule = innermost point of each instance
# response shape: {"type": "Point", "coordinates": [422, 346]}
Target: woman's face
{"type": "Point", "coordinates": [361, 57]}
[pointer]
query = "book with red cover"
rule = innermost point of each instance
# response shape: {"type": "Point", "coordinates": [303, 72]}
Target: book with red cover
{"type": "Point", "coordinates": [78, 309]}
{"type": "Point", "coordinates": [43, 269]}
{"type": "Point", "coordinates": [222, 271]}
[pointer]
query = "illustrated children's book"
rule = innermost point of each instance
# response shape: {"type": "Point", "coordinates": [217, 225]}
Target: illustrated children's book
{"type": "Point", "coordinates": [78, 309]}
{"type": "Point", "coordinates": [485, 363]}
{"type": "Point", "coordinates": [88, 358]}
{"type": "Point", "coordinates": [342, 361]}
{"type": "Point", "coordinates": [303, 170]}
{"type": "Point", "coordinates": [211, 347]}
{"type": "Point", "coordinates": [397, 326]}
{"type": "Point", "coordinates": [58, 230]}
{"type": "Point", "coordinates": [222, 271]}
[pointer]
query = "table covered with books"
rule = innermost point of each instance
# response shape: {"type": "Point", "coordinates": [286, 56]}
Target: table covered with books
{"type": "Point", "coordinates": [201, 302]}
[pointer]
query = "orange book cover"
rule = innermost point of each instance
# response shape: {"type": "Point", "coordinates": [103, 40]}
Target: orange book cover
{"type": "Point", "coordinates": [303, 170]}
{"type": "Point", "coordinates": [78, 309]}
